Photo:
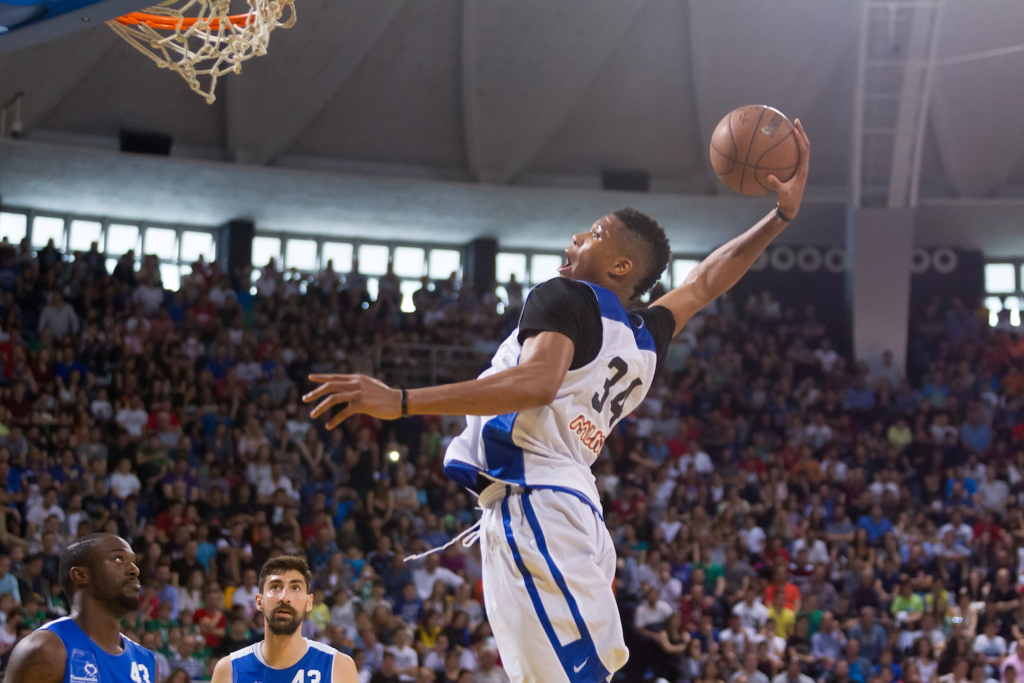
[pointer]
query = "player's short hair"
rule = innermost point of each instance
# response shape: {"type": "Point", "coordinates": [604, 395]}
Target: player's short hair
{"type": "Point", "coordinates": [77, 554]}
{"type": "Point", "coordinates": [645, 232]}
{"type": "Point", "coordinates": [286, 563]}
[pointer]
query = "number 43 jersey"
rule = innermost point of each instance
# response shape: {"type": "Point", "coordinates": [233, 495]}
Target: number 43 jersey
{"type": "Point", "coordinates": [614, 362]}
{"type": "Point", "coordinates": [316, 666]}
{"type": "Point", "coordinates": [87, 662]}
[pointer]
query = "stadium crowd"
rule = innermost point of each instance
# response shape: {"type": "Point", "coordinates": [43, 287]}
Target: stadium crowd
{"type": "Point", "coordinates": [781, 514]}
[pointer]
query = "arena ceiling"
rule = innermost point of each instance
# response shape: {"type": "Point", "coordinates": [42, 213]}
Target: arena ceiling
{"type": "Point", "coordinates": [537, 93]}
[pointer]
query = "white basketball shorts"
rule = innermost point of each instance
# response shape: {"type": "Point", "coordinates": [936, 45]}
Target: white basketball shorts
{"type": "Point", "coordinates": [548, 567]}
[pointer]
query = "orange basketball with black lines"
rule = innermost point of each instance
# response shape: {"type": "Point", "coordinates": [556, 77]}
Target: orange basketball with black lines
{"type": "Point", "coordinates": [752, 143]}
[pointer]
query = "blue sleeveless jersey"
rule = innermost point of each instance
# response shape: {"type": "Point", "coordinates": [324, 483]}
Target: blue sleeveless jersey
{"type": "Point", "coordinates": [87, 662]}
{"type": "Point", "coordinates": [316, 666]}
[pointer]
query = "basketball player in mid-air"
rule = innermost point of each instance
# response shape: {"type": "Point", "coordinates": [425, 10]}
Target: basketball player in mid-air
{"type": "Point", "coordinates": [99, 576]}
{"type": "Point", "coordinates": [284, 656]}
{"type": "Point", "coordinates": [537, 420]}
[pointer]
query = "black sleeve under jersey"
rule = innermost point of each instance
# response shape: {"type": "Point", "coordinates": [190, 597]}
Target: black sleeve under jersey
{"type": "Point", "coordinates": [569, 308]}
{"type": "Point", "coordinates": [662, 326]}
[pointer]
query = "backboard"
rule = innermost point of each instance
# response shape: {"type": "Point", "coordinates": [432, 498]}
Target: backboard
{"type": "Point", "coordinates": [29, 22]}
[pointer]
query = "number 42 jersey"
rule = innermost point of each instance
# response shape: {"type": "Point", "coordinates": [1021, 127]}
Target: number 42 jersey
{"type": "Point", "coordinates": [553, 446]}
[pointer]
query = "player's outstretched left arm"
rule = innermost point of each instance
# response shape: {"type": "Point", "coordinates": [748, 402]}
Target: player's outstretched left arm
{"type": "Point", "coordinates": [344, 670]}
{"type": "Point", "coordinates": [532, 383]}
{"type": "Point", "coordinates": [726, 265]}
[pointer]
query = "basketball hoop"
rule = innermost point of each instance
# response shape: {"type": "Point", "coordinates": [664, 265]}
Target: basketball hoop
{"type": "Point", "coordinates": [200, 39]}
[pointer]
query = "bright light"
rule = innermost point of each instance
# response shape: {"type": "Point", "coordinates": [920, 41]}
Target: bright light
{"type": "Point", "coordinates": [1013, 305]}
{"type": "Point", "coordinates": [393, 456]}
{"type": "Point", "coordinates": [994, 305]}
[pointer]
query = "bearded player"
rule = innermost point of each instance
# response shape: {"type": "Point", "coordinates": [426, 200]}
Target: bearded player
{"type": "Point", "coordinates": [579, 361]}
{"type": "Point", "coordinates": [99, 576]}
{"type": "Point", "coordinates": [284, 656]}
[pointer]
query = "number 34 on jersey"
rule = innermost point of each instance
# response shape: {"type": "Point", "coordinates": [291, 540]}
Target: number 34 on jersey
{"type": "Point", "coordinates": [590, 434]}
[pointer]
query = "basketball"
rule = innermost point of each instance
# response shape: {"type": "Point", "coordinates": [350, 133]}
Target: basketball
{"type": "Point", "coordinates": [752, 143]}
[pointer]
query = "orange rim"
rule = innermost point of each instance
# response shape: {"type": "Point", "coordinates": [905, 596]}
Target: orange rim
{"type": "Point", "coordinates": [172, 24]}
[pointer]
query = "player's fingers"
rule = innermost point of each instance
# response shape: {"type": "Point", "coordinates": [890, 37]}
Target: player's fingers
{"type": "Point", "coordinates": [773, 183]}
{"type": "Point", "coordinates": [341, 417]}
{"type": "Point", "coordinates": [328, 378]}
{"type": "Point", "coordinates": [802, 141]}
{"type": "Point", "coordinates": [330, 402]}
{"type": "Point", "coordinates": [329, 388]}
{"type": "Point", "coordinates": [321, 390]}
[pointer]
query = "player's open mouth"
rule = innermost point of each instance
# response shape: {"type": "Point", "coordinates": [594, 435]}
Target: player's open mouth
{"type": "Point", "coordinates": [567, 265]}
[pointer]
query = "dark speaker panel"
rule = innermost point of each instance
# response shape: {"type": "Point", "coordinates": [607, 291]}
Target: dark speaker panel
{"type": "Point", "coordinates": [137, 142]}
{"type": "Point", "coordinates": [481, 263]}
{"type": "Point", "coordinates": [234, 246]}
{"type": "Point", "coordinates": [626, 181]}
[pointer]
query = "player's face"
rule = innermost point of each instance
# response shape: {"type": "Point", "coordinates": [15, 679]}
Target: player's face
{"type": "Point", "coordinates": [114, 576]}
{"type": "Point", "coordinates": [284, 602]}
{"type": "Point", "coordinates": [595, 252]}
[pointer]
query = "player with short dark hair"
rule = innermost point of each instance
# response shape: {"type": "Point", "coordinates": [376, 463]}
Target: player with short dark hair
{"type": "Point", "coordinates": [582, 358]}
{"type": "Point", "coordinates": [284, 656]}
{"type": "Point", "coordinates": [100, 578]}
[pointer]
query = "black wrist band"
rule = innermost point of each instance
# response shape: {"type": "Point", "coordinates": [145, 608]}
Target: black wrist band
{"type": "Point", "coordinates": [781, 216]}
{"type": "Point", "coordinates": [405, 402]}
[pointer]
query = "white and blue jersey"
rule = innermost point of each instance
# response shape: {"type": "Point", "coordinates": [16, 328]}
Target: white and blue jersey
{"type": "Point", "coordinates": [548, 559]}
{"type": "Point", "coordinates": [316, 666]}
{"type": "Point", "coordinates": [89, 663]}
{"type": "Point", "coordinates": [554, 446]}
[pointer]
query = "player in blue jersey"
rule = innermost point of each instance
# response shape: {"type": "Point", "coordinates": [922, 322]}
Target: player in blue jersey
{"type": "Point", "coordinates": [583, 357]}
{"type": "Point", "coordinates": [284, 656]}
{"type": "Point", "coordinates": [99, 576]}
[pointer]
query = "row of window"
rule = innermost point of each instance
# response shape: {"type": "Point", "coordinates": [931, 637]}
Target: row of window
{"type": "Point", "coordinates": [178, 247]}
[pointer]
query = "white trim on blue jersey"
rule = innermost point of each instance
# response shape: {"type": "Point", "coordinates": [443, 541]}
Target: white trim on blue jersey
{"type": "Point", "coordinates": [554, 446]}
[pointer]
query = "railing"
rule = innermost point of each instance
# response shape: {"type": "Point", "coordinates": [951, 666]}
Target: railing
{"type": "Point", "coordinates": [429, 364]}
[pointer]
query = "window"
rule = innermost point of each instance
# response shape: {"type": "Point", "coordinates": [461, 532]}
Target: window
{"type": "Point", "coordinates": [13, 226]}
{"type": "Point", "coordinates": [264, 249]}
{"type": "Point", "coordinates": [444, 262]}
{"type": "Point", "coordinates": [373, 260]}
{"type": "Point", "coordinates": [408, 287]}
{"type": "Point", "coordinates": [83, 234]}
{"type": "Point", "coordinates": [680, 269]}
{"type": "Point", "coordinates": [46, 228]}
{"type": "Point", "coordinates": [122, 238]}
{"type": "Point", "coordinates": [197, 244]}
{"type": "Point", "coordinates": [300, 254]}
{"type": "Point", "coordinates": [999, 278]}
{"type": "Point", "coordinates": [409, 262]}
{"type": "Point", "coordinates": [339, 253]}
{"type": "Point", "coordinates": [111, 264]}
{"type": "Point", "coordinates": [371, 287]}
{"type": "Point", "coordinates": [509, 265]}
{"type": "Point", "coordinates": [171, 276]}
{"type": "Point", "coordinates": [543, 267]}
{"type": "Point", "coordinates": [161, 242]}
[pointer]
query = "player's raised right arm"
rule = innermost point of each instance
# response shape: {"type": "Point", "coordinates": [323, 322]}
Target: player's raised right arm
{"type": "Point", "coordinates": [726, 265]}
{"type": "Point", "coordinates": [532, 383]}
{"type": "Point", "coordinates": [39, 658]}
{"type": "Point", "coordinates": [222, 672]}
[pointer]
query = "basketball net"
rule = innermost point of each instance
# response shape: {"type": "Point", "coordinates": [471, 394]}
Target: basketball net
{"type": "Point", "coordinates": [200, 39]}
